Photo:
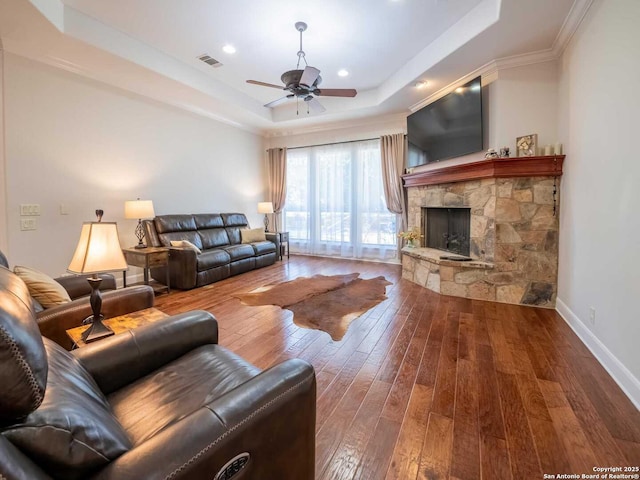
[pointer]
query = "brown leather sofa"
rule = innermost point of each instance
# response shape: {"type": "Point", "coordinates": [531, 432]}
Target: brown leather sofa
{"type": "Point", "coordinates": [217, 235]}
{"type": "Point", "coordinates": [163, 401]}
{"type": "Point", "coordinates": [53, 322]}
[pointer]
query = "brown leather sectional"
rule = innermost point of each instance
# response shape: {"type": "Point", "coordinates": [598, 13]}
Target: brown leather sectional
{"type": "Point", "coordinates": [217, 235]}
{"type": "Point", "coordinates": [163, 401]}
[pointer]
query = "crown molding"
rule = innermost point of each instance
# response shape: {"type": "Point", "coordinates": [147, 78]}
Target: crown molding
{"type": "Point", "coordinates": [325, 127]}
{"type": "Point", "coordinates": [530, 58]}
{"type": "Point", "coordinates": [490, 71]}
{"type": "Point", "coordinates": [571, 23]}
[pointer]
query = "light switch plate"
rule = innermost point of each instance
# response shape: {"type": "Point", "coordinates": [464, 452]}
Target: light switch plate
{"type": "Point", "coordinates": [28, 224]}
{"type": "Point", "coordinates": [29, 209]}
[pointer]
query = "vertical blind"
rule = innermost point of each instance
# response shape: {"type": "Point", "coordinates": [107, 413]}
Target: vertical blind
{"type": "Point", "coordinates": [335, 202]}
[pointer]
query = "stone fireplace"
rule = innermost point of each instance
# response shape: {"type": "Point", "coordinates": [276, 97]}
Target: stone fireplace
{"type": "Point", "coordinates": [513, 229]}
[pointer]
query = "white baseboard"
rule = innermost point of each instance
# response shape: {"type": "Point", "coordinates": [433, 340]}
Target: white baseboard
{"type": "Point", "coordinates": [629, 384]}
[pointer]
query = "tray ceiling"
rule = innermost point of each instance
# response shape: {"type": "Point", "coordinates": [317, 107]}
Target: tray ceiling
{"type": "Point", "coordinates": [151, 47]}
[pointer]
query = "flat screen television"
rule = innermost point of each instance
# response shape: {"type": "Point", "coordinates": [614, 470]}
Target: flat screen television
{"type": "Point", "coordinates": [449, 127]}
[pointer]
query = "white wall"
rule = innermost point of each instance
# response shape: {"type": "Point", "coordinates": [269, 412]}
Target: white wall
{"type": "Point", "coordinates": [3, 197]}
{"type": "Point", "coordinates": [525, 101]}
{"type": "Point", "coordinates": [86, 145]}
{"type": "Point", "coordinates": [600, 226]}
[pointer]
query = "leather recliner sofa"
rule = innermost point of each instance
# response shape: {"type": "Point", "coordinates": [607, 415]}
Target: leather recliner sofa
{"type": "Point", "coordinates": [218, 236]}
{"type": "Point", "coordinates": [163, 401]}
{"type": "Point", "coordinates": [55, 321]}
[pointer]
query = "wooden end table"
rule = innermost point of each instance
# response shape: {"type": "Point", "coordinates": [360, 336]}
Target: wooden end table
{"type": "Point", "coordinates": [147, 258]}
{"type": "Point", "coordinates": [119, 324]}
{"type": "Point", "coordinates": [283, 238]}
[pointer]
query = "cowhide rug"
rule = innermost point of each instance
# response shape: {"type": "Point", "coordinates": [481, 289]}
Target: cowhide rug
{"type": "Point", "coordinates": [327, 303]}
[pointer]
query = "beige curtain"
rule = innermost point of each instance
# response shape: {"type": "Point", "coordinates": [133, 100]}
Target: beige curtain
{"type": "Point", "coordinates": [392, 154]}
{"type": "Point", "coordinates": [277, 172]}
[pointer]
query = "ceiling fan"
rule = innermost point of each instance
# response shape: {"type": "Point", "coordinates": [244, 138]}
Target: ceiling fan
{"type": "Point", "coordinates": [303, 84]}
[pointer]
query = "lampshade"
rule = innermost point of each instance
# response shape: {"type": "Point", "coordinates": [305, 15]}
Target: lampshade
{"type": "Point", "coordinates": [98, 249]}
{"type": "Point", "coordinates": [265, 207]}
{"type": "Point", "coordinates": [138, 209]}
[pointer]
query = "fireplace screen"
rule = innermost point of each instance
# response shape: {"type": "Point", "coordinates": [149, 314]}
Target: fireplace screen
{"type": "Point", "coordinates": [448, 229]}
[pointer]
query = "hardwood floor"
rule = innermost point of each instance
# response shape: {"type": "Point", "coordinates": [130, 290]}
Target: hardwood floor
{"type": "Point", "coordinates": [425, 386]}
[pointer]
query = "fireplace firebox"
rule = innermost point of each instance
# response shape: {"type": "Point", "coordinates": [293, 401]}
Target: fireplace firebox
{"type": "Point", "coordinates": [448, 229]}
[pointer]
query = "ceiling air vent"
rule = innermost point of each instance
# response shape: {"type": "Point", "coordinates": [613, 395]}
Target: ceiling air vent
{"type": "Point", "coordinates": [209, 60]}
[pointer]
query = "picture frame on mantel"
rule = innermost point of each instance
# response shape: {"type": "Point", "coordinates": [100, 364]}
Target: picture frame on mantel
{"type": "Point", "coordinates": [526, 146]}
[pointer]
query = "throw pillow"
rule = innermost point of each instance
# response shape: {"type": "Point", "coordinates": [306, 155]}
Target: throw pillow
{"type": "Point", "coordinates": [250, 235]}
{"type": "Point", "coordinates": [185, 244]}
{"type": "Point", "coordinates": [42, 287]}
{"type": "Point", "coordinates": [73, 431]}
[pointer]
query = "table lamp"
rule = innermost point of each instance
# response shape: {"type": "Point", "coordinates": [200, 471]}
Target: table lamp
{"type": "Point", "coordinates": [265, 207]}
{"type": "Point", "coordinates": [98, 251]}
{"type": "Point", "coordinates": [139, 209]}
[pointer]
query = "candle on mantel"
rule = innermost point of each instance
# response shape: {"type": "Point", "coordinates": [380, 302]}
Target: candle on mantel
{"type": "Point", "coordinates": [558, 148]}
{"type": "Point", "coordinates": [548, 150]}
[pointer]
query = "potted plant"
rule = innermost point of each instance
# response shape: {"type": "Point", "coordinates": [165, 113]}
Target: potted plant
{"type": "Point", "coordinates": [412, 237]}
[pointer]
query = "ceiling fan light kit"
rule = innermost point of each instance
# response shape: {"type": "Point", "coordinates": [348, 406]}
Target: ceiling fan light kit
{"type": "Point", "coordinates": [303, 84]}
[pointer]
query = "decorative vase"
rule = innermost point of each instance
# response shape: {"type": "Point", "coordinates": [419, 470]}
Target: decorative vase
{"type": "Point", "coordinates": [411, 244]}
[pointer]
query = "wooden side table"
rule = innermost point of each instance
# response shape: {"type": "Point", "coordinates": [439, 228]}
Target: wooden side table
{"type": "Point", "coordinates": [283, 240]}
{"type": "Point", "coordinates": [119, 324]}
{"type": "Point", "coordinates": [146, 258]}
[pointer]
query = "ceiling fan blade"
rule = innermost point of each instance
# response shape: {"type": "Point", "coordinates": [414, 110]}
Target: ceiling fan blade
{"type": "Point", "coordinates": [309, 76]}
{"type": "Point", "coordinates": [277, 102]}
{"type": "Point", "coordinates": [256, 82]}
{"type": "Point", "coordinates": [315, 106]}
{"type": "Point", "coordinates": [336, 92]}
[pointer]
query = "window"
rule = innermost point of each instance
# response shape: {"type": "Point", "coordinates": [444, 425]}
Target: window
{"type": "Point", "coordinates": [335, 202]}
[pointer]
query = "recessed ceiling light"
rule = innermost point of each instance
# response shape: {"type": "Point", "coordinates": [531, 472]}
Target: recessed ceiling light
{"type": "Point", "coordinates": [421, 85]}
{"type": "Point", "coordinates": [230, 49]}
{"type": "Point", "coordinates": [343, 73]}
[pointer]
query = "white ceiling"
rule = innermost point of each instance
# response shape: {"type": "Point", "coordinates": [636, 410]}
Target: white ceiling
{"type": "Point", "coordinates": [370, 39]}
{"type": "Point", "coordinates": [150, 47]}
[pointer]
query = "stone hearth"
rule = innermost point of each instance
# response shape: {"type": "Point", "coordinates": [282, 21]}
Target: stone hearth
{"type": "Point", "coordinates": [514, 240]}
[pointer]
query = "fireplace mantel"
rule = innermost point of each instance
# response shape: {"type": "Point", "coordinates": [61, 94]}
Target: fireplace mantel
{"type": "Point", "coordinates": [547, 166]}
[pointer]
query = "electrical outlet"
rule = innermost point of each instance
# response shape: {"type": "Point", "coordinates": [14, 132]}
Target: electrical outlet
{"type": "Point", "coordinates": [64, 209]}
{"type": "Point", "coordinates": [29, 209]}
{"type": "Point", "coordinates": [592, 316]}
{"type": "Point", "coordinates": [28, 224]}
